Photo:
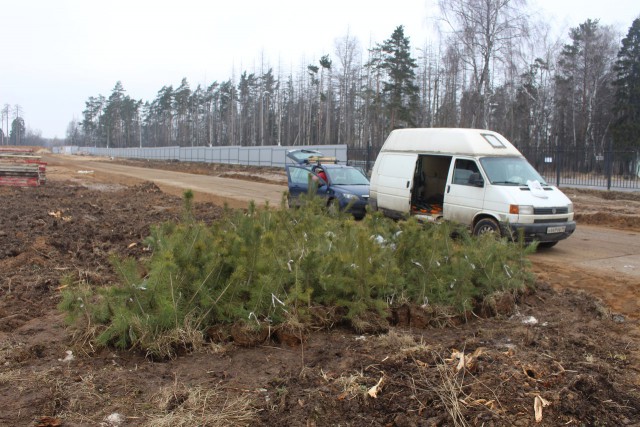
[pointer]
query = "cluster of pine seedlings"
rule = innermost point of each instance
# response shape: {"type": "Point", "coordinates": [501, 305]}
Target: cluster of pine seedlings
{"type": "Point", "coordinates": [266, 265]}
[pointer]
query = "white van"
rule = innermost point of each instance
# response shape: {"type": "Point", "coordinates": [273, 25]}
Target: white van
{"type": "Point", "coordinates": [471, 176]}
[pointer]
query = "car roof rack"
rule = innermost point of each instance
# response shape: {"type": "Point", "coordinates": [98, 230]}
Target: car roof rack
{"type": "Point", "coordinates": [322, 159]}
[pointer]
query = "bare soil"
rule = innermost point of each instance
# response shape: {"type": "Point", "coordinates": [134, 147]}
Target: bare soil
{"type": "Point", "coordinates": [250, 173]}
{"type": "Point", "coordinates": [613, 209]}
{"type": "Point", "coordinates": [561, 345]}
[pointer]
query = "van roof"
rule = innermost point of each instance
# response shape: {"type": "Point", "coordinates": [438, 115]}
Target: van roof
{"type": "Point", "coordinates": [450, 141]}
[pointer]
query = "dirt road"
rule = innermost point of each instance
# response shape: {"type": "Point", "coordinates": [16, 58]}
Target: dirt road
{"type": "Point", "coordinates": [236, 193]}
{"type": "Point", "coordinates": [602, 261]}
{"type": "Point", "coordinates": [614, 252]}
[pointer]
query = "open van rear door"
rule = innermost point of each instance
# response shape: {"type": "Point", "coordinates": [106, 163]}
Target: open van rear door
{"type": "Point", "coordinates": [395, 183]}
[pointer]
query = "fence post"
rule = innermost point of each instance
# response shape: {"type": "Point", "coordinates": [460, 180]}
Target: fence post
{"type": "Point", "coordinates": [558, 166]}
{"type": "Point", "coordinates": [609, 163]}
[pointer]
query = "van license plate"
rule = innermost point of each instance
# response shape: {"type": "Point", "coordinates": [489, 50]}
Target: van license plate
{"type": "Point", "coordinates": [560, 229]}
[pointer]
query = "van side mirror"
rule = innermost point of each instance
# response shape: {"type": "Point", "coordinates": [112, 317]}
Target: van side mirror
{"type": "Point", "coordinates": [476, 180]}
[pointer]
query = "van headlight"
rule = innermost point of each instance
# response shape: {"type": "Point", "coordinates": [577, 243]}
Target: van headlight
{"type": "Point", "coordinates": [570, 208]}
{"type": "Point", "coordinates": [521, 209]}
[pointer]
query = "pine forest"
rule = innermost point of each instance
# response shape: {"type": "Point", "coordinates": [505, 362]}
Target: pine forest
{"type": "Point", "coordinates": [491, 68]}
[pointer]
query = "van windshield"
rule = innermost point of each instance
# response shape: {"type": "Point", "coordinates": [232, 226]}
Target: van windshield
{"type": "Point", "coordinates": [510, 171]}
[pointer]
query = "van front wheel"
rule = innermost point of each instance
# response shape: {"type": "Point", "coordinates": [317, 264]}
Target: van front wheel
{"type": "Point", "coordinates": [486, 225]}
{"type": "Point", "coordinates": [547, 245]}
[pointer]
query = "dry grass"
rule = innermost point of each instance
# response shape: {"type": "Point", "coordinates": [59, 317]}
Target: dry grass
{"type": "Point", "coordinates": [181, 406]}
{"type": "Point", "coordinates": [49, 384]}
{"type": "Point", "coordinates": [80, 391]}
{"type": "Point", "coordinates": [444, 317]}
{"type": "Point", "coordinates": [448, 388]}
{"type": "Point", "coordinates": [11, 377]}
{"type": "Point", "coordinates": [187, 337]}
{"type": "Point", "coordinates": [396, 340]}
{"type": "Point", "coordinates": [7, 349]}
{"type": "Point", "coordinates": [403, 344]}
{"type": "Point", "coordinates": [22, 378]}
{"type": "Point", "coordinates": [352, 385]}
{"type": "Point", "coordinates": [218, 348]}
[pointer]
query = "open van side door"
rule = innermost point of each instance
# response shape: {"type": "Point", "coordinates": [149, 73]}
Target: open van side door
{"type": "Point", "coordinates": [464, 192]}
{"type": "Point", "coordinates": [395, 183]}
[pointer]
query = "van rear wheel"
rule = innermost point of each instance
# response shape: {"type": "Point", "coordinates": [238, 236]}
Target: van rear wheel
{"type": "Point", "coordinates": [485, 226]}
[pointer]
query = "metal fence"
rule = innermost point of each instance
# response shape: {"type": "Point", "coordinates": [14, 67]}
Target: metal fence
{"type": "Point", "coordinates": [274, 156]}
{"type": "Point", "coordinates": [614, 170]}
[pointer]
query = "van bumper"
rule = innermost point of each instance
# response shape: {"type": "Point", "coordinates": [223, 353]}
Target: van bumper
{"type": "Point", "coordinates": [547, 232]}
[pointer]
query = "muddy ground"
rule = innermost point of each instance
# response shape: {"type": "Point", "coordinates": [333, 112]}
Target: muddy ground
{"type": "Point", "coordinates": [564, 349]}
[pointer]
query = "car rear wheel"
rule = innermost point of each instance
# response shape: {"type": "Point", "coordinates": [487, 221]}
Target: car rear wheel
{"type": "Point", "coordinates": [485, 226]}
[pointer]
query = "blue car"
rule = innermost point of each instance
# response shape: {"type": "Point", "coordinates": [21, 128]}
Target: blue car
{"type": "Point", "coordinates": [343, 186]}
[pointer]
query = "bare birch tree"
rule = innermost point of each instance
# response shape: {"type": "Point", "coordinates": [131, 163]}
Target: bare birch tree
{"type": "Point", "coordinates": [484, 31]}
{"type": "Point", "coordinates": [584, 88]}
{"type": "Point", "coordinates": [347, 50]}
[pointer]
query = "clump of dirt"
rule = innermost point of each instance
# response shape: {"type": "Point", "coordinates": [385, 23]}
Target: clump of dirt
{"type": "Point", "coordinates": [609, 219]}
{"type": "Point", "coordinates": [564, 347]}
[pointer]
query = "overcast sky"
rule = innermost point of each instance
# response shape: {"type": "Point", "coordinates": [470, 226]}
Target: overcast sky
{"type": "Point", "coordinates": [55, 54]}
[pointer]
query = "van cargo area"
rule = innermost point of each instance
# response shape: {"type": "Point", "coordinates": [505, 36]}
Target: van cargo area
{"type": "Point", "coordinates": [430, 181]}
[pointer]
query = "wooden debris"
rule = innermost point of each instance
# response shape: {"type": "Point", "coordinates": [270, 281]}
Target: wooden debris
{"type": "Point", "coordinates": [373, 391]}
{"type": "Point", "coordinates": [20, 167]}
{"type": "Point", "coordinates": [538, 404]}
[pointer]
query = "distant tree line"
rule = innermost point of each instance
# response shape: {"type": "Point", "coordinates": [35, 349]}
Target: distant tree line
{"type": "Point", "coordinates": [18, 134]}
{"type": "Point", "coordinates": [491, 69]}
